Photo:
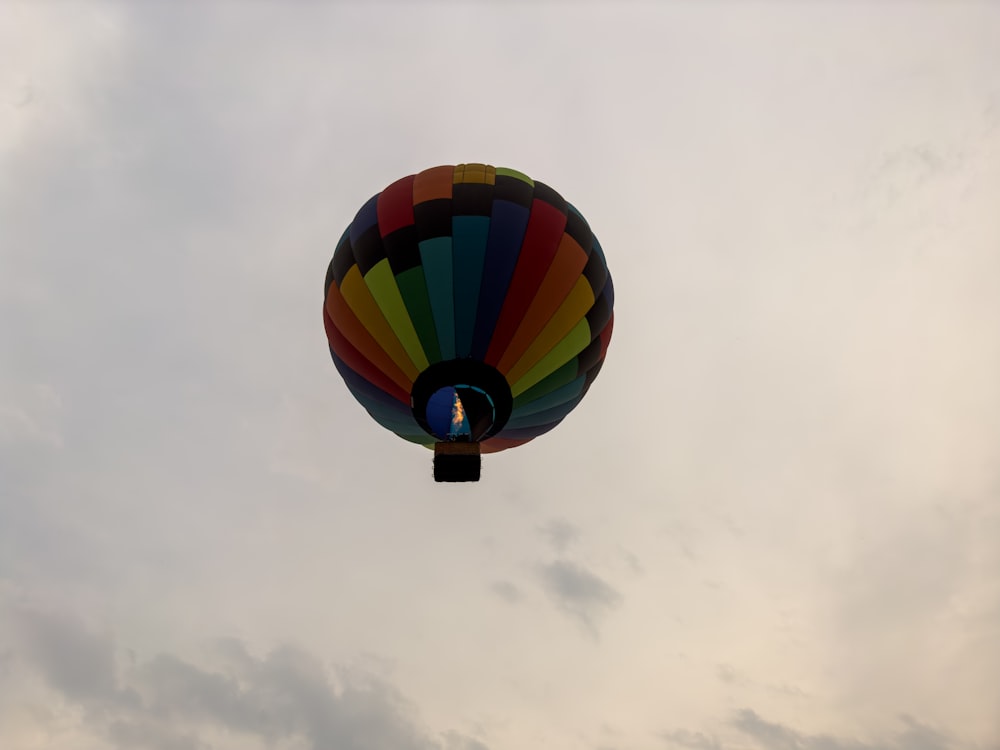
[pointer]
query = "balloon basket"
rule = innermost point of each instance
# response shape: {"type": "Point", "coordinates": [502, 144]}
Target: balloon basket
{"type": "Point", "coordinates": [457, 461]}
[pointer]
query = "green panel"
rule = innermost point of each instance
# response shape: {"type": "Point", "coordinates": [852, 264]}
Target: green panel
{"type": "Point", "coordinates": [572, 344]}
{"type": "Point", "coordinates": [507, 172]}
{"type": "Point", "coordinates": [413, 287]}
{"type": "Point", "coordinates": [382, 285]}
{"type": "Point", "coordinates": [553, 399]}
{"type": "Point", "coordinates": [469, 235]}
{"type": "Point", "coordinates": [560, 378]}
{"type": "Point", "coordinates": [435, 255]}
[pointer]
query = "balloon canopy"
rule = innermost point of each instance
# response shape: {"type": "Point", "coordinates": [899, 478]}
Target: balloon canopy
{"type": "Point", "coordinates": [468, 307]}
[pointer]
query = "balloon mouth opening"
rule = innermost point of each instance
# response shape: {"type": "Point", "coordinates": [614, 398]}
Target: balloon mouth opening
{"type": "Point", "coordinates": [461, 401]}
{"type": "Point", "coordinates": [460, 413]}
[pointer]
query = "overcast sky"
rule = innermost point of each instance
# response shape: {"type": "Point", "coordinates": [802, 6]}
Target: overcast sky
{"type": "Point", "coordinates": [774, 522]}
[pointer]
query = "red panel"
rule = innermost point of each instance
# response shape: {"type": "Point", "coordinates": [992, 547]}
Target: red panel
{"type": "Point", "coordinates": [541, 241]}
{"type": "Point", "coordinates": [357, 362]}
{"type": "Point", "coordinates": [395, 206]}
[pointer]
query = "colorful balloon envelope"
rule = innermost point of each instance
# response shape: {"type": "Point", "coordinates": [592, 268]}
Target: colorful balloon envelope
{"type": "Point", "coordinates": [468, 308]}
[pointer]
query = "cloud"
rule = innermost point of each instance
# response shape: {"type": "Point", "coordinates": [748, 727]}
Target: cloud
{"type": "Point", "coordinates": [286, 698]}
{"type": "Point", "coordinates": [75, 660]}
{"type": "Point", "coordinates": [769, 735]}
{"type": "Point", "coordinates": [577, 591]}
{"type": "Point", "coordinates": [774, 736]}
{"type": "Point", "coordinates": [560, 533]}
{"type": "Point", "coordinates": [693, 740]}
{"type": "Point", "coordinates": [456, 741]}
{"type": "Point", "coordinates": [506, 591]}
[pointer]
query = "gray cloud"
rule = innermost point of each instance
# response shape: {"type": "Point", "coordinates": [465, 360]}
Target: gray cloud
{"type": "Point", "coordinates": [169, 703]}
{"type": "Point", "coordinates": [456, 741]}
{"type": "Point", "coordinates": [769, 735]}
{"type": "Point", "coordinates": [578, 592]}
{"type": "Point", "coordinates": [73, 659]}
{"type": "Point", "coordinates": [693, 740]}
{"type": "Point", "coordinates": [506, 591]}
{"type": "Point", "coordinates": [774, 736]}
{"type": "Point", "coordinates": [560, 533]}
{"type": "Point", "coordinates": [143, 732]}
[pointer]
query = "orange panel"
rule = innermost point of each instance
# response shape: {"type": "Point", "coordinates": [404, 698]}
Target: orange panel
{"type": "Point", "coordinates": [433, 183]}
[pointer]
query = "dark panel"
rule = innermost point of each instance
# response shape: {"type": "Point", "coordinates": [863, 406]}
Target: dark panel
{"type": "Point", "coordinates": [472, 199]}
{"type": "Point", "coordinates": [578, 228]}
{"type": "Point", "coordinates": [512, 190]}
{"type": "Point", "coordinates": [368, 249]}
{"type": "Point", "coordinates": [606, 335]}
{"type": "Point", "coordinates": [595, 271]}
{"type": "Point", "coordinates": [543, 192]}
{"type": "Point", "coordinates": [592, 374]}
{"type": "Point", "coordinates": [599, 314]}
{"type": "Point", "coordinates": [609, 291]}
{"type": "Point", "coordinates": [433, 219]}
{"type": "Point", "coordinates": [343, 259]}
{"type": "Point", "coordinates": [589, 356]}
{"type": "Point", "coordinates": [402, 250]}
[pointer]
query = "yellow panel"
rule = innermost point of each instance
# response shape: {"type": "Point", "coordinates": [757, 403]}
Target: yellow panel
{"type": "Point", "coordinates": [361, 301]}
{"type": "Point", "coordinates": [477, 173]}
{"type": "Point", "coordinates": [384, 289]}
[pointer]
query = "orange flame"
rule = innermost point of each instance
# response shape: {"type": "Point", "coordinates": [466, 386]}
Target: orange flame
{"type": "Point", "coordinates": [457, 412]}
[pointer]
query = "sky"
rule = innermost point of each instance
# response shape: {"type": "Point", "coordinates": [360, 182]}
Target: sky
{"type": "Point", "coordinates": [773, 523]}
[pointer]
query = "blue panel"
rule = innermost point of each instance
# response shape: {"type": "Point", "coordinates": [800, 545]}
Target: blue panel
{"type": "Point", "coordinates": [365, 219]}
{"type": "Point", "coordinates": [469, 237]}
{"type": "Point", "coordinates": [507, 227]}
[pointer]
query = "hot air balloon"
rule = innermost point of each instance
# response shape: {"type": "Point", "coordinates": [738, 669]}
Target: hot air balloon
{"type": "Point", "coordinates": [468, 308]}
